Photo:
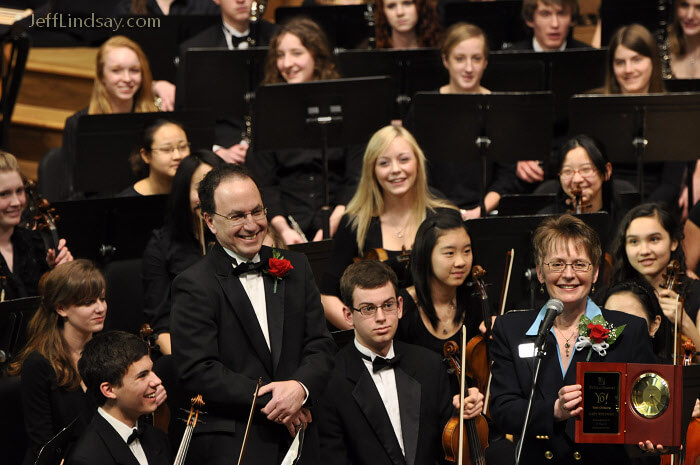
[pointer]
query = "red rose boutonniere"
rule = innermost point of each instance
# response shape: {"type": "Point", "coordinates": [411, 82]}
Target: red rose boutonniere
{"type": "Point", "coordinates": [278, 267]}
{"type": "Point", "coordinates": [597, 335]}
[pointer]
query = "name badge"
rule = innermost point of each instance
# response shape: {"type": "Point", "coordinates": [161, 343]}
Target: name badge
{"type": "Point", "coordinates": [526, 350]}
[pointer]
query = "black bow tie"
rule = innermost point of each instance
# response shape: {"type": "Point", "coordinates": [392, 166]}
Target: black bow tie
{"type": "Point", "coordinates": [248, 267]}
{"type": "Point", "coordinates": [237, 41]}
{"type": "Point", "coordinates": [136, 433]}
{"type": "Point", "coordinates": [379, 363]}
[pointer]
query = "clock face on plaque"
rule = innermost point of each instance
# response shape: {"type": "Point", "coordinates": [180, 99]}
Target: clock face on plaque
{"type": "Point", "coordinates": [650, 395]}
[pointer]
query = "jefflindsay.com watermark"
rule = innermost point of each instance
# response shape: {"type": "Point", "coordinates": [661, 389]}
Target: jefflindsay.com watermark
{"type": "Point", "coordinates": [66, 20]}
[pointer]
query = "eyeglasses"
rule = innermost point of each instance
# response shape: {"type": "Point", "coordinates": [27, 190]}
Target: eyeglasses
{"type": "Point", "coordinates": [586, 171]}
{"type": "Point", "coordinates": [579, 266]}
{"type": "Point", "coordinates": [238, 219]}
{"type": "Point", "coordinates": [170, 149]}
{"type": "Point", "coordinates": [389, 307]}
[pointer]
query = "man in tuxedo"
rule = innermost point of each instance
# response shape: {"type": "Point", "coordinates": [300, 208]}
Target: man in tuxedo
{"type": "Point", "coordinates": [551, 22]}
{"type": "Point", "coordinates": [247, 312]}
{"type": "Point", "coordinates": [117, 370]}
{"type": "Point", "coordinates": [387, 401]}
{"type": "Point", "coordinates": [236, 31]}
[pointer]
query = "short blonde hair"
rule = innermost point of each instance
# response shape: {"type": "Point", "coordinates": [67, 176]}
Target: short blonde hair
{"type": "Point", "coordinates": [459, 32]}
{"type": "Point", "coordinates": [8, 162]}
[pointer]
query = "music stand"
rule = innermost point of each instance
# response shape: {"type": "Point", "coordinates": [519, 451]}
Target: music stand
{"type": "Point", "coordinates": [682, 85]}
{"type": "Point", "coordinates": [105, 142]}
{"type": "Point", "coordinates": [639, 128]}
{"type": "Point", "coordinates": [493, 236]}
{"type": "Point", "coordinates": [617, 13]}
{"type": "Point", "coordinates": [14, 316]}
{"type": "Point", "coordinates": [110, 229]}
{"type": "Point", "coordinates": [345, 25]}
{"type": "Point", "coordinates": [524, 204]}
{"type": "Point", "coordinates": [321, 114]}
{"type": "Point", "coordinates": [500, 20]}
{"type": "Point", "coordinates": [318, 254]}
{"type": "Point", "coordinates": [494, 127]}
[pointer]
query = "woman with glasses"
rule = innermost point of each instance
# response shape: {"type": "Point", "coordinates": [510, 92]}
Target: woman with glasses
{"type": "Point", "coordinates": [649, 237]}
{"type": "Point", "coordinates": [163, 146]}
{"type": "Point", "coordinates": [567, 257]}
{"type": "Point", "coordinates": [436, 306]}
{"type": "Point", "coordinates": [178, 244]}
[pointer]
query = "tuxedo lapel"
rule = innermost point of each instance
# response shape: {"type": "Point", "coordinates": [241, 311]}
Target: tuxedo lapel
{"type": "Point", "coordinates": [409, 393]}
{"type": "Point", "coordinates": [240, 303]}
{"type": "Point", "coordinates": [367, 397]}
{"type": "Point", "coordinates": [118, 449]}
{"type": "Point", "coordinates": [154, 452]}
{"type": "Point", "coordinates": [275, 309]}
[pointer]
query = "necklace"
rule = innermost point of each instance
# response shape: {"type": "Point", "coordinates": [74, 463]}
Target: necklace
{"type": "Point", "coordinates": [453, 306]}
{"type": "Point", "coordinates": [567, 345]}
{"type": "Point", "coordinates": [401, 231]}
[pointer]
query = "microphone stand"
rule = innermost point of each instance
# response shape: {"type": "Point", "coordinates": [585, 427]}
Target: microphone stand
{"type": "Point", "coordinates": [519, 448]}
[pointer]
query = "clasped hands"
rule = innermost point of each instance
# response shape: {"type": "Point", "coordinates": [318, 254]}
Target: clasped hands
{"type": "Point", "coordinates": [285, 407]}
{"type": "Point", "coordinates": [473, 403]}
{"type": "Point", "coordinates": [568, 405]}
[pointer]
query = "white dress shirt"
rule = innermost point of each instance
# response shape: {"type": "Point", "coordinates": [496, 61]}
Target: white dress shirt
{"type": "Point", "coordinates": [124, 431]}
{"type": "Point", "coordinates": [231, 32]}
{"type": "Point", "coordinates": [385, 380]}
{"type": "Point", "coordinates": [538, 48]}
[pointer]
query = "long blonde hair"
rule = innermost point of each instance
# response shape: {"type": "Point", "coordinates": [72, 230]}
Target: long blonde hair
{"type": "Point", "coordinates": [368, 200]}
{"type": "Point", "coordinates": [143, 99]}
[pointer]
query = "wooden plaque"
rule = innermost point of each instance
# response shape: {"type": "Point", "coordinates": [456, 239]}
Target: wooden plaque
{"type": "Point", "coordinates": [625, 403]}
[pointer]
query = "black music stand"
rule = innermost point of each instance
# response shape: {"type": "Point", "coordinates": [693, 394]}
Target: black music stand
{"type": "Point", "coordinates": [494, 127]}
{"type": "Point", "coordinates": [524, 204]}
{"type": "Point", "coordinates": [501, 20]}
{"type": "Point", "coordinates": [639, 128]}
{"type": "Point", "coordinates": [321, 114]}
{"type": "Point", "coordinates": [14, 316]}
{"type": "Point", "coordinates": [110, 229]}
{"type": "Point", "coordinates": [346, 26]}
{"type": "Point", "coordinates": [104, 143]}
{"type": "Point", "coordinates": [682, 85]}
{"type": "Point", "coordinates": [617, 13]}
{"type": "Point", "coordinates": [567, 72]}
{"type": "Point", "coordinates": [318, 254]}
{"type": "Point", "coordinates": [493, 236]}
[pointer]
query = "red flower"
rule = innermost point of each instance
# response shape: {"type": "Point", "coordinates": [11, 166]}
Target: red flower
{"type": "Point", "coordinates": [279, 267]}
{"type": "Point", "coordinates": [598, 333]}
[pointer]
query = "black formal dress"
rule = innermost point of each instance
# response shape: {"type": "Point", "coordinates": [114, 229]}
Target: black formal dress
{"type": "Point", "coordinates": [512, 381]}
{"type": "Point", "coordinates": [291, 182]}
{"type": "Point", "coordinates": [353, 421]}
{"type": "Point", "coordinates": [101, 444]}
{"type": "Point", "coordinates": [48, 408]}
{"type": "Point", "coordinates": [163, 259]}
{"type": "Point", "coordinates": [29, 264]}
{"type": "Point", "coordinates": [220, 351]}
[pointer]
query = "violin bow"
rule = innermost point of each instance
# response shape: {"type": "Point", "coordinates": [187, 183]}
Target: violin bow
{"type": "Point", "coordinates": [250, 420]}
{"type": "Point", "coordinates": [462, 380]}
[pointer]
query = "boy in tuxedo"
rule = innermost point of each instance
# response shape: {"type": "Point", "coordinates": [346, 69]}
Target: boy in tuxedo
{"type": "Point", "coordinates": [117, 371]}
{"type": "Point", "coordinates": [386, 401]}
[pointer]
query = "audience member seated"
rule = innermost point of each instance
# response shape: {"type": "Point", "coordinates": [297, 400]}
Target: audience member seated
{"type": "Point", "coordinates": [163, 146]}
{"type": "Point", "coordinates": [23, 254]}
{"type": "Point", "coordinates": [72, 308]}
{"type": "Point", "coordinates": [177, 245]}
{"type": "Point", "coordinates": [122, 85]}
{"type": "Point", "coordinates": [406, 24]}
{"type": "Point", "coordinates": [648, 238]}
{"type": "Point", "coordinates": [639, 300]}
{"type": "Point", "coordinates": [551, 22]}
{"type": "Point", "coordinates": [118, 374]}
{"type": "Point", "coordinates": [691, 241]}
{"type": "Point", "coordinates": [167, 7]}
{"type": "Point", "coordinates": [390, 203]}
{"type": "Point", "coordinates": [634, 67]}
{"type": "Point", "coordinates": [684, 40]}
{"type": "Point", "coordinates": [291, 179]}
{"type": "Point", "coordinates": [437, 305]}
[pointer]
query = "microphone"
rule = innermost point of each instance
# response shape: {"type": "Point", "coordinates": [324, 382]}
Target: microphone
{"type": "Point", "coordinates": [554, 308]}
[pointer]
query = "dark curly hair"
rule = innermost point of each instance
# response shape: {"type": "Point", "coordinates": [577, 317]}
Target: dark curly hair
{"type": "Point", "coordinates": [428, 29]}
{"type": "Point", "coordinates": [314, 39]}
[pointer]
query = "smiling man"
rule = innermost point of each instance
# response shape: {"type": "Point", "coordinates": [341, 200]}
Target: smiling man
{"type": "Point", "coordinates": [242, 313]}
{"type": "Point", "coordinates": [117, 371]}
{"type": "Point", "coordinates": [550, 21]}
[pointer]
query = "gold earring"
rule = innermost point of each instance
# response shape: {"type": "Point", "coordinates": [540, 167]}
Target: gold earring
{"type": "Point", "coordinates": [541, 288]}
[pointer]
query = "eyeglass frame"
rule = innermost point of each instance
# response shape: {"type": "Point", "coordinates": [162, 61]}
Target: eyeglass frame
{"type": "Point", "coordinates": [373, 308]}
{"type": "Point", "coordinates": [167, 151]}
{"type": "Point", "coordinates": [243, 216]}
{"type": "Point", "coordinates": [549, 266]}
{"type": "Point", "coordinates": [594, 170]}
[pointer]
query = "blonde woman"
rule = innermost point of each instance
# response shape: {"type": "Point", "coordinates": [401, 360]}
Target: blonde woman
{"type": "Point", "coordinates": [391, 201]}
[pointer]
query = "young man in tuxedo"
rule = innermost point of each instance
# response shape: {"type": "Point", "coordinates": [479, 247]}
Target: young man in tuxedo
{"type": "Point", "coordinates": [247, 312]}
{"type": "Point", "coordinates": [387, 401]}
{"type": "Point", "coordinates": [117, 371]}
{"type": "Point", "coordinates": [550, 21]}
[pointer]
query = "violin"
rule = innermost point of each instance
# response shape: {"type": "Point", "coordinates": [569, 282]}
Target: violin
{"type": "Point", "coordinates": [196, 404]}
{"type": "Point", "coordinates": [478, 362]}
{"type": "Point", "coordinates": [577, 200]}
{"type": "Point", "coordinates": [463, 441]}
{"type": "Point", "coordinates": [683, 347]}
{"type": "Point", "coordinates": [161, 417]}
{"type": "Point", "coordinates": [42, 216]}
